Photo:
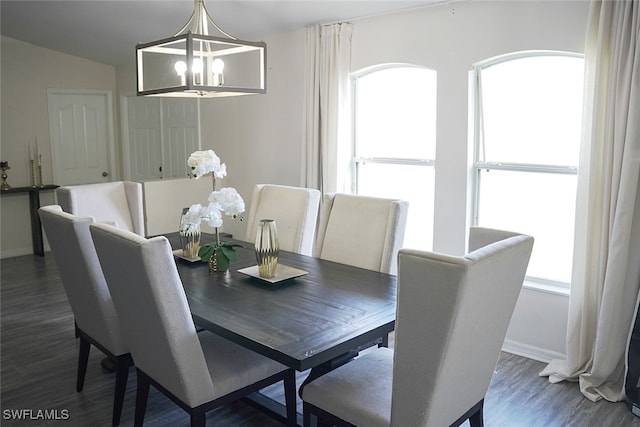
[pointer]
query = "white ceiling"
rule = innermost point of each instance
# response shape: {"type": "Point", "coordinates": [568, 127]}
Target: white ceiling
{"type": "Point", "coordinates": [107, 31]}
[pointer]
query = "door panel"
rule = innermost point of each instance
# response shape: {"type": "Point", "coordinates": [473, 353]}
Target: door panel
{"type": "Point", "coordinates": [145, 138]}
{"type": "Point", "coordinates": [162, 132]}
{"type": "Point", "coordinates": [180, 119]}
{"type": "Point", "coordinates": [80, 133]}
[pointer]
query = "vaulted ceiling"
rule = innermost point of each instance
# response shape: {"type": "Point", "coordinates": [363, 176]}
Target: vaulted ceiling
{"type": "Point", "coordinates": [107, 31]}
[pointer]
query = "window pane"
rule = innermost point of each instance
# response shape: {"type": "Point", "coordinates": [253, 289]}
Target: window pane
{"type": "Point", "coordinates": [532, 110]}
{"type": "Point", "coordinates": [539, 204]}
{"type": "Point", "coordinates": [407, 182]}
{"type": "Point", "coordinates": [395, 113]}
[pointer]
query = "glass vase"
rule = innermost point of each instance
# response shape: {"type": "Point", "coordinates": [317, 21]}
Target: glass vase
{"type": "Point", "coordinates": [189, 238]}
{"type": "Point", "coordinates": [266, 247]}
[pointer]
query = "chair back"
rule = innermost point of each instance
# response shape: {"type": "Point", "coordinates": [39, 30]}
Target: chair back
{"type": "Point", "coordinates": [120, 202]}
{"type": "Point", "coordinates": [362, 231]}
{"type": "Point", "coordinates": [452, 317]}
{"type": "Point", "coordinates": [82, 277]}
{"type": "Point", "coordinates": [149, 299]}
{"type": "Point", "coordinates": [164, 200]}
{"type": "Point", "coordinates": [295, 211]}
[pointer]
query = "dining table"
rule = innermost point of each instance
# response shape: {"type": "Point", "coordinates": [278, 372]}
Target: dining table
{"type": "Point", "coordinates": [317, 317]}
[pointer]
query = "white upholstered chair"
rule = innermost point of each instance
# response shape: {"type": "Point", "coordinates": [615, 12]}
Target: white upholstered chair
{"type": "Point", "coordinates": [198, 371]}
{"type": "Point", "coordinates": [362, 231]}
{"type": "Point", "coordinates": [119, 202]}
{"type": "Point", "coordinates": [88, 295]}
{"type": "Point", "coordinates": [295, 210]}
{"type": "Point", "coordinates": [452, 317]}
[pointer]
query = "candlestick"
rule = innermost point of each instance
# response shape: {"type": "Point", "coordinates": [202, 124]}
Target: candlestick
{"type": "Point", "coordinates": [33, 179]}
{"type": "Point", "coordinates": [40, 175]}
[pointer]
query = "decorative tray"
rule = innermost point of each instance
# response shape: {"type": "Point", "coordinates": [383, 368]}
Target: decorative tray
{"type": "Point", "coordinates": [283, 272]}
{"type": "Point", "coordinates": [178, 253]}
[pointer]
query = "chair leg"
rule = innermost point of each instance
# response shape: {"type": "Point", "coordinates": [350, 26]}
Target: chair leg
{"type": "Point", "coordinates": [83, 360]}
{"type": "Point", "coordinates": [476, 419]}
{"type": "Point", "coordinates": [142, 394]}
{"type": "Point", "coordinates": [198, 418]}
{"type": "Point", "coordinates": [290, 397]}
{"type": "Point", "coordinates": [306, 415]}
{"type": "Point", "coordinates": [122, 373]}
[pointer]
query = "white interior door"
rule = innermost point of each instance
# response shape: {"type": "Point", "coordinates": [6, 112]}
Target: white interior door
{"type": "Point", "coordinates": [180, 130]}
{"type": "Point", "coordinates": [160, 134]}
{"type": "Point", "coordinates": [145, 133]}
{"type": "Point", "coordinates": [80, 131]}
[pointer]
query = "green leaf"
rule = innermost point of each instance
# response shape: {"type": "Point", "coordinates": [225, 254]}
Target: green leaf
{"type": "Point", "coordinates": [205, 252]}
{"type": "Point", "coordinates": [229, 252]}
{"type": "Point", "coordinates": [222, 260]}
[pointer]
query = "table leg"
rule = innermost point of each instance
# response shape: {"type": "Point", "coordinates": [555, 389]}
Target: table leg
{"type": "Point", "coordinates": [36, 227]}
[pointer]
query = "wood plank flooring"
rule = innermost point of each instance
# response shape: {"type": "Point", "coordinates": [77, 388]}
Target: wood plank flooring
{"type": "Point", "coordinates": [39, 360]}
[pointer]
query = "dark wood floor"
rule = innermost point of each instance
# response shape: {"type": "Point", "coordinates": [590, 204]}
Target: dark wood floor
{"type": "Point", "coordinates": [39, 359]}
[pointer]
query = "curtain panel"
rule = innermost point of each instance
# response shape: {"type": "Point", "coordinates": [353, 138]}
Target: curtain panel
{"type": "Point", "coordinates": [326, 152]}
{"type": "Point", "coordinates": [606, 268]}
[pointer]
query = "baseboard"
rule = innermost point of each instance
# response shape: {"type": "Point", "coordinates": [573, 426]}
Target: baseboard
{"type": "Point", "coordinates": [531, 352]}
{"type": "Point", "coordinates": [15, 252]}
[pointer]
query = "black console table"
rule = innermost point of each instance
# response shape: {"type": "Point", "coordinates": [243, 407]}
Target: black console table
{"type": "Point", "coordinates": [34, 205]}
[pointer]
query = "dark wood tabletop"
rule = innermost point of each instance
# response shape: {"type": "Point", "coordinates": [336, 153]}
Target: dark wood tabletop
{"type": "Point", "coordinates": [302, 322]}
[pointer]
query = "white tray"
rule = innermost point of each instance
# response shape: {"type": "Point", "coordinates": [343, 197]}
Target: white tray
{"type": "Point", "coordinates": [178, 253]}
{"type": "Point", "coordinates": [283, 272]}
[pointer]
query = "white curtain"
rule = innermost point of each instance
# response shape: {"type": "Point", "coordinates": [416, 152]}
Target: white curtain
{"type": "Point", "coordinates": [606, 271]}
{"type": "Point", "coordinates": [325, 160]}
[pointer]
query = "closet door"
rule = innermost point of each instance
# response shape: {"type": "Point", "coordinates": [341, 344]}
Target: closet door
{"type": "Point", "coordinates": [161, 133]}
{"type": "Point", "coordinates": [180, 131]}
{"type": "Point", "coordinates": [145, 138]}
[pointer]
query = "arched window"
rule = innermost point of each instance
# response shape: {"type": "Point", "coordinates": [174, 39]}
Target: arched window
{"type": "Point", "coordinates": [394, 137]}
{"type": "Point", "coordinates": [528, 122]}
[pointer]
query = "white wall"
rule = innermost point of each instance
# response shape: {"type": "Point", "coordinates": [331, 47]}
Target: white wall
{"type": "Point", "coordinates": [27, 72]}
{"type": "Point", "coordinates": [260, 137]}
{"type": "Point", "coordinates": [449, 39]}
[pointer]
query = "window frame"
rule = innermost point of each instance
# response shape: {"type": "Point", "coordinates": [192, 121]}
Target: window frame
{"type": "Point", "coordinates": [478, 165]}
{"type": "Point", "coordinates": [357, 160]}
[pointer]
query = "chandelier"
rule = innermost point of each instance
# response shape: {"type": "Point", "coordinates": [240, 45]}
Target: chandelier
{"type": "Point", "coordinates": [193, 63]}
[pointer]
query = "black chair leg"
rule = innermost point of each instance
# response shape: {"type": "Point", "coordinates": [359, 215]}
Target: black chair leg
{"type": "Point", "coordinates": [142, 394]}
{"type": "Point", "coordinates": [198, 418]}
{"type": "Point", "coordinates": [306, 415]}
{"type": "Point", "coordinates": [83, 360]}
{"type": "Point", "coordinates": [122, 373]}
{"type": "Point", "coordinates": [476, 419]}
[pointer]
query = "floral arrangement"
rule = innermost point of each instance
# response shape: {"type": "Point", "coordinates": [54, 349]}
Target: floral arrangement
{"type": "Point", "coordinates": [206, 162]}
{"type": "Point", "coordinates": [225, 201]}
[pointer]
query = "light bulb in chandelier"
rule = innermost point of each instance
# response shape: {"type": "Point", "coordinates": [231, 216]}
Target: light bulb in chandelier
{"type": "Point", "coordinates": [217, 67]}
{"type": "Point", "coordinates": [181, 69]}
{"type": "Point", "coordinates": [196, 69]}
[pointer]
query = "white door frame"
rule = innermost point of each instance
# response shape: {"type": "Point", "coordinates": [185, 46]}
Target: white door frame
{"type": "Point", "coordinates": [110, 127]}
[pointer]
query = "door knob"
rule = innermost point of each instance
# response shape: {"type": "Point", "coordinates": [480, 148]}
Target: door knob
{"type": "Point", "coordinates": [105, 174]}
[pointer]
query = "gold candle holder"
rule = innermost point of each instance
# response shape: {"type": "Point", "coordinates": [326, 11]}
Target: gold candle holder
{"type": "Point", "coordinates": [33, 178]}
{"type": "Point", "coordinates": [40, 176]}
{"type": "Point", "coordinates": [4, 166]}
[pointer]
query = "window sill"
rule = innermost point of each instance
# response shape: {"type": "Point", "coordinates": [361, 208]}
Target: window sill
{"type": "Point", "coordinates": [547, 288]}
